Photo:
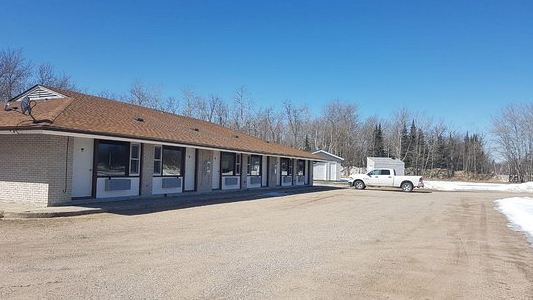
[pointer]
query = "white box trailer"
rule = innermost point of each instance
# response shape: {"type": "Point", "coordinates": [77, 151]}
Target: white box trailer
{"type": "Point", "coordinates": [385, 163]}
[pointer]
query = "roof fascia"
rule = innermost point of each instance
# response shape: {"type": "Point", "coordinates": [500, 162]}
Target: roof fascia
{"type": "Point", "coordinates": [327, 153]}
{"type": "Point", "coordinates": [113, 138]}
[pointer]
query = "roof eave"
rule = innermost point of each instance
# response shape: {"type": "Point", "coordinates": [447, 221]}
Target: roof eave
{"type": "Point", "coordinates": [96, 134]}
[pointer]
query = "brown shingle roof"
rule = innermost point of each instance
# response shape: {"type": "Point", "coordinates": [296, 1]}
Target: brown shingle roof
{"type": "Point", "coordinates": [84, 113]}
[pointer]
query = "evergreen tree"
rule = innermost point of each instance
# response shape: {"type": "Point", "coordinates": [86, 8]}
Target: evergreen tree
{"type": "Point", "coordinates": [380, 145]}
{"type": "Point", "coordinates": [411, 147]}
{"type": "Point", "coordinates": [404, 146]}
{"type": "Point", "coordinates": [441, 153]}
{"type": "Point", "coordinates": [377, 148]}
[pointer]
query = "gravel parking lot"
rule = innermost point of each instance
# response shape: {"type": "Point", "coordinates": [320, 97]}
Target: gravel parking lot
{"type": "Point", "coordinates": [338, 244]}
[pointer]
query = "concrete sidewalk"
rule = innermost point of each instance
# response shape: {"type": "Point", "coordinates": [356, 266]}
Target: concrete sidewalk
{"type": "Point", "coordinates": [145, 205]}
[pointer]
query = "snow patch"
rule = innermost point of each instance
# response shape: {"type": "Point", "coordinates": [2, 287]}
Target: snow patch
{"type": "Point", "coordinates": [519, 212]}
{"type": "Point", "coordinates": [475, 186]}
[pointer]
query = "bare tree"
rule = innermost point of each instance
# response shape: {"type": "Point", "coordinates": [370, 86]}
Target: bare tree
{"type": "Point", "coordinates": [513, 129]}
{"type": "Point", "coordinates": [46, 75]}
{"type": "Point", "coordinates": [242, 110]}
{"type": "Point", "coordinates": [221, 111]}
{"type": "Point", "coordinates": [171, 105]}
{"type": "Point", "coordinates": [190, 102]}
{"type": "Point", "coordinates": [15, 71]}
{"type": "Point", "coordinates": [144, 95]}
{"type": "Point", "coordinates": [296, 117]}
{"type": "Point", "coordinates": [269, 125]}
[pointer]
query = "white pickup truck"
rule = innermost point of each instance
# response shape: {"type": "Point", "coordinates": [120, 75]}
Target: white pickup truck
{"type": "Point", "coordinates": [385, 178]}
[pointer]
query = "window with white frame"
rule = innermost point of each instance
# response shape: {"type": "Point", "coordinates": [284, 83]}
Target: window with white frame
{"type": "Point", "coordinates": [135, 159]}
{"type": "Point", "coordinates": [238, 164]}
{"type": "Point", "coordinates": [157, 160]}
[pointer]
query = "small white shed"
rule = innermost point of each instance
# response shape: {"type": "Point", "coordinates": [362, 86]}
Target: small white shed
{"type": "Point", "coordinates": [329, 170]}
{"type": "Point", "coordinates": [385, 162]}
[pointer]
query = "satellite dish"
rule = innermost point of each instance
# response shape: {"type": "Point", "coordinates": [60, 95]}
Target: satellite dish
{"type": "Point", "coordinates": [25, 105]}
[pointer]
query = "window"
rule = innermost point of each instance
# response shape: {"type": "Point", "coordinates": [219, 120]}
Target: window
{"type": "Point", "coordinates": [113, 158]}
{"type": "Point", "coordinates": [168, 161]}
{"type": "Point", "coordinates": [230, 164]}
{"type": "Point", "coordinates": [300, 170]}
{"type": "Point", "coordinates": [238, 164]}
{"type": "Point", "coordinates": [135, 158]}
{"type": "Point", "coordinates": [157, 160]}
{"type": "Point", "coordinates": [254, 165]}
{"type": "Point", "coordinates": [173, 161]}
{"type": "Point", "coordinates": [286, 167]}
{"type": "Point", "coordinates": [379, 172]}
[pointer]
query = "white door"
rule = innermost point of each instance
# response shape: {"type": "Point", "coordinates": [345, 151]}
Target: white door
{"type": "Point", "coordinates": [82, 167]}
{"type": "Point", "coordinates": [216, 170]}
{"type": "Point", "coordinates": [264, 170]}
{"type": "Point", "coordinates": [190, 160]}
{"type": "Point", "coordinates": [277, 170]}
{"type": "Point", "coordinates": [374, 178]}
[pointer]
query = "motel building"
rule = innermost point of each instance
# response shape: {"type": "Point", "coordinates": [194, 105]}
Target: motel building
{"type": "Point", "coordinates": [60, 147]}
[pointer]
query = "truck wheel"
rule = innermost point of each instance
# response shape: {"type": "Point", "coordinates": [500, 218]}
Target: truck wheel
{"type": "Point", "coordinates": [359, 185]}
{"type": "Point", "coordinates": [407, 186]}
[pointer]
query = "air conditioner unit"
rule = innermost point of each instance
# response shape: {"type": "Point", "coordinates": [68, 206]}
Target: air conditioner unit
{"type": "Point", "coordinates": [171, 183]}
{"type": "Point", "coordinates": [231, 181]}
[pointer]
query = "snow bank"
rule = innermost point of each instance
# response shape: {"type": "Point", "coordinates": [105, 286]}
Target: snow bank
{"type": "Point", "coordinates": [474, 186]}
{"type": "Point", "coordinates": [519, 212]}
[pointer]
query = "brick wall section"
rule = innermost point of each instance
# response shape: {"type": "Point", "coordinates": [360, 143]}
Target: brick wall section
{"type": "Point", "coordinates": [244, 169]}
{"type": "Point", "coordinates": [294, 176]}
{"type": "Point", "coordinates": [34, 168]}
{"type": "Point", "coordinates": [147, 169]}
{"type": "Point", "coordinates": [310, 180]}
{"type": "Point", "coordinates": [204, 170]}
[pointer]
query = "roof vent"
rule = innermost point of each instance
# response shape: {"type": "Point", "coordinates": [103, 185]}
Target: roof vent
{"type": "Point", "coordinates": [138, 119]}
{"type": "Point", "coordinates": [236, 136]}
{"type": "Point", "coordinates": [39, 92]}
{"type": "Point", "coordinates": [195, 129]}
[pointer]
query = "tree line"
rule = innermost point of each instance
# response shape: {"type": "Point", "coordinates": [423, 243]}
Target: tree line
{"type": "Point", "coordinates": [428, 148]}
{"type": "Point", "coordinates": [513, 131]}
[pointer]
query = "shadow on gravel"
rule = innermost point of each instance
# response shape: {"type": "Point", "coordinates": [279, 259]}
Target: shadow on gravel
{"type": "Point", "coordinates": [152, 205]}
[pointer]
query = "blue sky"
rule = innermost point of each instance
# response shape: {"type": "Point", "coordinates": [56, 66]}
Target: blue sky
{"type": "Point", "coordinates": [456, 61]}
